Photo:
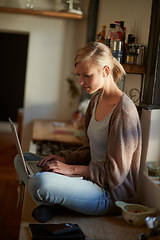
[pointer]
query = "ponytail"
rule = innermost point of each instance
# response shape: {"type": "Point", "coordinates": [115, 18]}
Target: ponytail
{"type": "Point", "coordinates": [117, 71]}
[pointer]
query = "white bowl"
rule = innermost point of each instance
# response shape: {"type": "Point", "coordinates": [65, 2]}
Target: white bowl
{"type": "Point", "coordinates": [135, 214]}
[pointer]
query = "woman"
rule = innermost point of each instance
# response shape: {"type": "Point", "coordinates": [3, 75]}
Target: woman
{"type": "Point", "coordinates": [109, 161]}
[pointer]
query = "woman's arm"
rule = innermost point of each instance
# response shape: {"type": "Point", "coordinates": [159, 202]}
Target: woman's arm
{"type": "Point", "coordinates": [62, 168]}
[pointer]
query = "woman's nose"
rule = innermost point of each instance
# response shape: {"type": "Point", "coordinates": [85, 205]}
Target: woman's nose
{"type": "Point", "coordinates": [81, 81]}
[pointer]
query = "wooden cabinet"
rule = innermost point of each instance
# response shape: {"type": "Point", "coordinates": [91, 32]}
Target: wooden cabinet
{"type": "Point", "coordinates": [134, 69]}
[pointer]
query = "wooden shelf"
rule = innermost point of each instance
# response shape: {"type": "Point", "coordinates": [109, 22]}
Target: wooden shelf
{"type": "Point", "coordinates": [42, 13]}
{"type": "Point", "coordinates": [133, 68]}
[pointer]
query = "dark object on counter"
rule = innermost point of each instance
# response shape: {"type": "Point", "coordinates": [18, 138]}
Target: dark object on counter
{"type": "Point", "coordinates": [153, 223]}
{"type": "Point", "coordinates": [65, 231]}
{"type": "Point", "coordinates": [44, 213]}
{"type": "Point", "coordinates": [131, 39]}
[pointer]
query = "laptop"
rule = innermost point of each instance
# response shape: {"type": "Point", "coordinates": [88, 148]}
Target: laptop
{"type": "Point", "coordinates": [30, 167]}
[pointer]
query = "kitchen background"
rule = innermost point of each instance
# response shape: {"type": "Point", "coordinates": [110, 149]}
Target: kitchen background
{"type": "Point", "coordinates": [52, 45]}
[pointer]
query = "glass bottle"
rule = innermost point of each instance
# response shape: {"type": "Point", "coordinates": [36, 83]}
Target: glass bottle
{"type": "Point", "coordinates": [111, 35]}
{"type": "Point", "coordinates": [119, 30]}
{"type": "Point", "coordinates": [103, 34]}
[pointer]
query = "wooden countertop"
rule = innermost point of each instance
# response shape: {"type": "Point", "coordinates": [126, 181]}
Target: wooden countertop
{"type": "Point", "coordinates": [46, 130]}
{"type": "Point", "coordinates": [110, 227]}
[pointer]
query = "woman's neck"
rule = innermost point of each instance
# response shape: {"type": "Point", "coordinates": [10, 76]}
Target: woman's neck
{"type": "Point", "coordinates": [111, 94]}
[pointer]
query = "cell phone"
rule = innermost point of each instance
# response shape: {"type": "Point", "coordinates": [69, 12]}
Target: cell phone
{"type": "Point", "coordinates": [58, 229]}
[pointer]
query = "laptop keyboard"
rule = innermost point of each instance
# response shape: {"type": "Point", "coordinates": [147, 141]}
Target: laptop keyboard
{"type": "Point", "coordinates": [32, 167]}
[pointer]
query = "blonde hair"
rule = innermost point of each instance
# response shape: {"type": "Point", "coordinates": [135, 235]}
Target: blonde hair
{"type": "Point", "coordinates": [101, 55]}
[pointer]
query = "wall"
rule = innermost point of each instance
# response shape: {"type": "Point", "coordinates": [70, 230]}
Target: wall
{"type": "Point", "coordinates": [136, 16]}
{"type": "Point", "coordinates": [148, 190]}
{"type": "Point", "coordinates": [52, 46]}
{"type": "Point", "coordinates": [56, 5]}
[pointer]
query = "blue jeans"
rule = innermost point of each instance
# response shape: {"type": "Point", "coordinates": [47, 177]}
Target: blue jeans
{"type": "Point", "coordinates": [50, 188]}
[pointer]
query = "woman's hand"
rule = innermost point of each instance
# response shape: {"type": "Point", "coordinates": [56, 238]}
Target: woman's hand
{"type": "Point", "coordinates": [49, 158]}
{"type": "Point", "coordinates": [58, 167]}
{"type": "Point", "coordinates": [56, 164]}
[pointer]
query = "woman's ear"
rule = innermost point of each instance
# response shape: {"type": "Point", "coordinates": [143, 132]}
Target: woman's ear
{"type": "Point", "coordinates": [106, 71]}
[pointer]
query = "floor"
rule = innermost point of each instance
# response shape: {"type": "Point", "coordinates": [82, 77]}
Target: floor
{"type": "Point", "coordinates": [10, 212]}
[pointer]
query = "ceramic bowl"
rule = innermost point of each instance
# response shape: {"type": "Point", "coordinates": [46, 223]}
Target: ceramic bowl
{"type": "Point", "coordinates": [135, 214]}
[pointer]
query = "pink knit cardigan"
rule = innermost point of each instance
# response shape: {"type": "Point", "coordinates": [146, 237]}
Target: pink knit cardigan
{"type": "Point", "coordinates": [118, 175]}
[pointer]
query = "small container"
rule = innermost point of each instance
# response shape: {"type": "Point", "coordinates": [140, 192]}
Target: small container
{"type": "Point", "coordinates": [154, 169]}
{"type": "Point", "coordinates": [131, 54]}
{"type": "Point", "coordinates": [117, 50]}
{"type": "Point", "coordinates": [131, 58]}
{"type": "Point", "coordinates": [135, 54]}
{"type": "Point", "coordinates": [140, 48]}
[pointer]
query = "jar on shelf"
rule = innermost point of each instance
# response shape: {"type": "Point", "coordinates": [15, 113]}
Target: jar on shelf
{"type": "Point", "coordinates": [131, 54]}
{"type": "Point", "coordinates": [135, 54]}
{"type": "Point", "coordinates": [140, 50]}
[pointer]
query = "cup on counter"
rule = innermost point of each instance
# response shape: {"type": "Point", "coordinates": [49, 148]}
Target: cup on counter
{"type": "Point", "coordinates": [154, 169]}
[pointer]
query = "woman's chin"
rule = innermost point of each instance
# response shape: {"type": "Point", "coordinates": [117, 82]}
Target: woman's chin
{"type": "Point", "coordinates": [88, 90]}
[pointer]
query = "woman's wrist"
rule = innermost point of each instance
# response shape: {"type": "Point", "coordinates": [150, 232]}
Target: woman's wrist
{"type": "Point", "coordinates": [81, 170]}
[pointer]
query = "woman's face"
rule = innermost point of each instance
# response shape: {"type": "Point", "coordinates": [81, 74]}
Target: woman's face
{"type": "Point", "coordinates": [91, 76]}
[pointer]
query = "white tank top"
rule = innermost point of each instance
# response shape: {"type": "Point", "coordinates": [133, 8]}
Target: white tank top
{"type": "Point", "coordinates": [97, 133]}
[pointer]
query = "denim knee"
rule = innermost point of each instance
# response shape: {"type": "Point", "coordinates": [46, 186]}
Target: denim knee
{"type": "Point", "coordinates": [37, 185]}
